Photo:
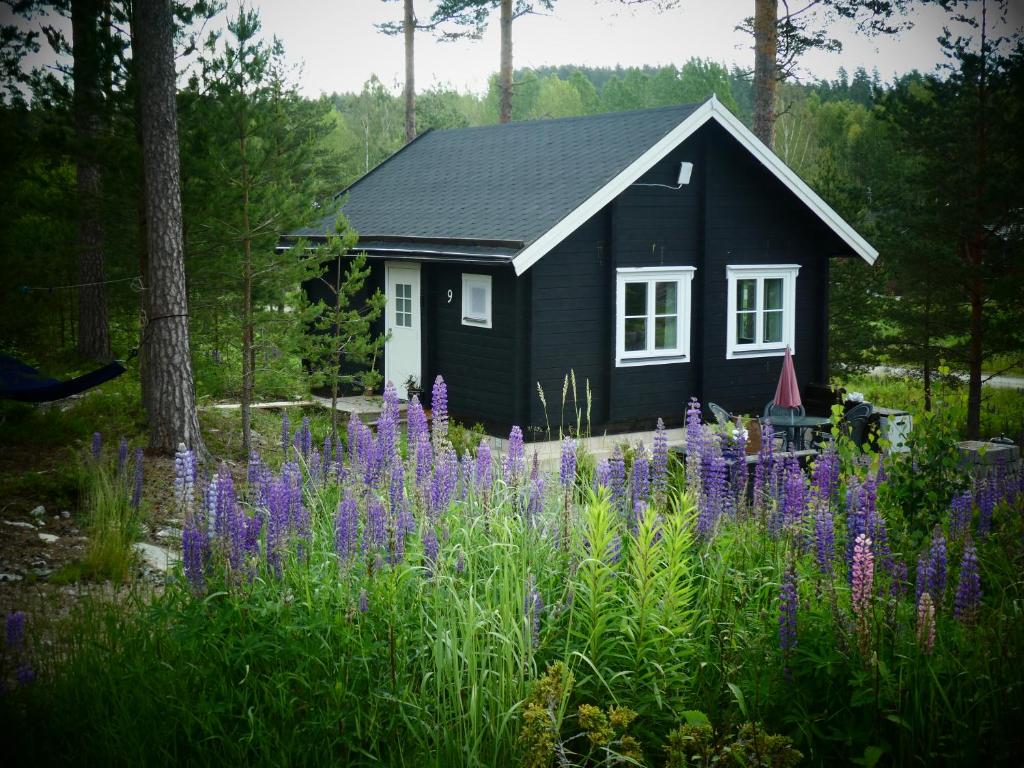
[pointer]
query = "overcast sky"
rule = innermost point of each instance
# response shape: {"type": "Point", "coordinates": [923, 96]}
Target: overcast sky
{"type": "Point", "coordinates": [340, 47]}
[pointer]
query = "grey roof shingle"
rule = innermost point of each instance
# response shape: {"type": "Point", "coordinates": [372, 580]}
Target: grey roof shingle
{"type": "Point", "coordinates": [498, 183]}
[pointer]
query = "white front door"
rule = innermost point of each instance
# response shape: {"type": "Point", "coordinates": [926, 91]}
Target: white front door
{"type": "Point", "coordinates": [402, 349]}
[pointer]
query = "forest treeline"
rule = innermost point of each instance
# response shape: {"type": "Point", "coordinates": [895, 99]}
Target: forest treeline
{"type": "Point", "coordinates": [925, 166]}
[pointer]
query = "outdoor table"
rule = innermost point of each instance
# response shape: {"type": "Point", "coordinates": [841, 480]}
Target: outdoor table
{"type": "Point", "coordinates": [795, 427]}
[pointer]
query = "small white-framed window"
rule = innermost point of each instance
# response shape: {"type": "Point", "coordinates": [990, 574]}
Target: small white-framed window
{"type": "Point", "coordinates": [761, 310]}
{"type": "Point", "coordinates": [476, 300]}
{"type": "Point", "coordinates": [652, 311]}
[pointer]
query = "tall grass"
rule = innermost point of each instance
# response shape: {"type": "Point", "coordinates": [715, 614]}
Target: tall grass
{"type": "Point", "coordinates": [112, 521]}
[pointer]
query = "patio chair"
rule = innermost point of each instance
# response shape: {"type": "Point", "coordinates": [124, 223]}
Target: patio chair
{"type": "Point", "coordinates": [855, 422]}
{"type": "Point", "coordinates": [722, 416]}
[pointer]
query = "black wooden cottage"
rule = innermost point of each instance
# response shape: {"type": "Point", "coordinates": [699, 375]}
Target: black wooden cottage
{"type": "Point", "coordinates": [660, 254]}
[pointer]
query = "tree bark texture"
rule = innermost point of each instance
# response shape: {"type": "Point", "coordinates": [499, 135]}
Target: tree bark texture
{"type": "Point", "coordinates": [94, 332]}
{"type": "Point", "coordinates": [170, 401]}
{"type": "Point", "coordinates": [766, 44]}
{"type": "Point", "coordinates": [506, 61]}
{"type": "Point", "coordinates": [409, 30]}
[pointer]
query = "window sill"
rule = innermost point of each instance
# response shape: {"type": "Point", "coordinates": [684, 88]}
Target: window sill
{"type": "Point", "coordinates": [634, 362]}
{"type": "Point", "coordinates": [738, 354]}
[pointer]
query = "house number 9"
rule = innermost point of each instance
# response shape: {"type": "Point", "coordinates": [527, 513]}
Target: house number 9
{"type": "Point", "coordinates": [449, 295]}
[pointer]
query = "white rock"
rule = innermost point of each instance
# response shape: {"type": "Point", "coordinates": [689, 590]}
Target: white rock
{"type": "Point", "coordinates": [38, 511]}
{"type": "Point", "coordinates": [9, 577]}
{"type": "Point", "coordinates": [20, 524]}
{"type": "Point", "coordinates": [49, 538]}
{"type": "Point", "coordinates": [156, 557]}
{"type": "Point", "coordinates": [169, 533]}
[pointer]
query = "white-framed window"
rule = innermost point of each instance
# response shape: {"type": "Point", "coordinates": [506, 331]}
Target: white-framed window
{"type": "Point", "coordinates": [403, 305]}
{"type": "Point", "coordinates": [476, 300]}
{"type": "Point", "coordinates": [761, 310]}
{"type": "Point", "coordinates": [652, 312]}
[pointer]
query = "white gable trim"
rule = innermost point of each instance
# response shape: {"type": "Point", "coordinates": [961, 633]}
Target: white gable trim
{"type": "Point", "coordinates": [711, 109]}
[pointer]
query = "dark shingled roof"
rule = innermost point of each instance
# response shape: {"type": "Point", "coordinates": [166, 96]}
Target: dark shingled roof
{"type": "Point", "coordinates": [503, 185]}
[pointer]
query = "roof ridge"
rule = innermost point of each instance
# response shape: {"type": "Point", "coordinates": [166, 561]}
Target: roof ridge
{"type": "Point", "coordinates": [570, 118]}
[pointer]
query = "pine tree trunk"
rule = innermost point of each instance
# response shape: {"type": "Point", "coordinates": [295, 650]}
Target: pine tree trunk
{"type": "Point", "coordinates": [170, 402]}
{"type": "Point", "coordinates": [766, 43]}
{"type": "Point", "coordinates": [409, 29]}
{"type": "Point", "coordinates": [975, 246]}
{"type": "Point", "coordinates": [94, 332]}
{"type": "Point", "coordinates": [506, 61]}
{"type": "Point", "coordinates": [247, 366]}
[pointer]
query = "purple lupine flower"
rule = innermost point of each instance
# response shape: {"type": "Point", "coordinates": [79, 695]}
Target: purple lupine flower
{"type": "Point", "coordinates": [430, 548]}
{"type": "Point", "coordinates": [863, 577]}
{"type": "Point", "coordinates": [659, 461]}
{"type": "Point", "coordinates": [567, 470]}
{"type": "Point", "coordinates": [968, 588]}
{"type": "Point", "coordinates": [533, 605]}
{"type": "Point", "coordinates": [793, 493]}
{"type": "Point", "coordinates": [695, 446]}
{"type": "Point", "coordinates": [374, 532]}
{"type": "Point", "coordinates": [617, 481]}
{"type": "Point", "coordinates": [714, 492]}
{"type": "Point", "coordinates": [315, 468]}
{"type": "Point", "coordinates": [439, 411]}
{"type": "Point", "coordinates": [460, 562]}
{"type": "Point", "coordinates": [442, 487]}
{"type": "Point", "coordinates": [789, 602]}
{"type": "Point", "coordinates": [278, 515]}
{"type": "Point", "coordinates": [185, 480]}
{"type": "Point", "coordinates": [387, 428]}
{"type": "Point", "coordinates": [535, 502]}
{"type": "Point", "coordinates": [961, 510]}
{"type": "Point", "coordinates": [824, 539]}
{"type": "Point", "coordinates": [467, 469]}
{"type": "Point", "coordinates": [417, 424]}
{"type": "Point", "coordinates": [515, 459]}
{"type": "Point", "coordinates": [15, 630]}
{"type": "Point", "coordinates": [602, 474]}
{"type": "Point", "coordinates": [899, 580]}
{"type": "Point", "coordinates": [640, 479]}
{"type": "Point", "coordinates": [352, 430]}
{"type": "Point", "coordinates": [195, 548]}
{"type": "Point", "coordinates": [825, 475]}
{"type": "Point", "coordinates": [484, 476]}
{"type": "Point", "coordinates": [97, 445]}
{"type": "Point", "coordinates": [424, 460]}
{"type": "Point", "coordinates": [122, 454]}
{"type": "Point", "coordinates": [286, 432]}
{"type": "Point", "coordinates": [307, 438]}
{"type": "Point", "coordinates": [922, 576]}
{"type": "Point", "coordinates": [364, 601]}
{"type": "Point", "coordinates": [937, 567]}
{"type": "Point", "coordinates": [346, 529]}
{"type": "Point", "coordinates": [396, 490]}
{"type": "Point", "coordinates": [252, 468]}
{"type": "Point", "coordinates": [926, 623]}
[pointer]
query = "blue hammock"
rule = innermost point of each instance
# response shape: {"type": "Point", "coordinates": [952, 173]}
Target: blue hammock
{"type": "Point", "coordinates": [24, 383]}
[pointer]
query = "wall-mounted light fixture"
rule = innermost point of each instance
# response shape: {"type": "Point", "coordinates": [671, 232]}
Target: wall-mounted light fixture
{"type": "Point", "coordinates": [685, 171]}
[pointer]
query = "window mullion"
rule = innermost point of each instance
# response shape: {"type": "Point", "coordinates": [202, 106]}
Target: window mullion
{"type": "Point", "coordinates": [758, 312]}
{"type": "Point", "coordinates": [651, 287]}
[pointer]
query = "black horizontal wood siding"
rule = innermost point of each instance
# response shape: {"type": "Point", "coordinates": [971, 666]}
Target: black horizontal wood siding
{"type": "Point", "coordinates": [570, 324]}
{"type": "Point", "coordinates": [752, 218]}
{"type": "Point", "coordinates": [478, 364]}
{"type": "Point", "coordinates": [319, 290]}
{"type": "Point", "coordinates": [658, 227]}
